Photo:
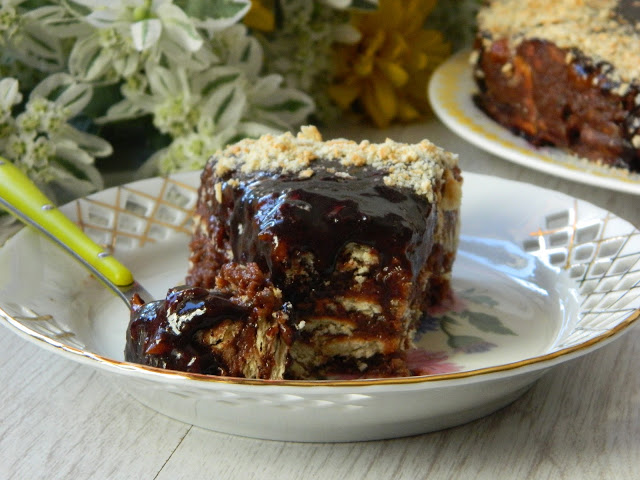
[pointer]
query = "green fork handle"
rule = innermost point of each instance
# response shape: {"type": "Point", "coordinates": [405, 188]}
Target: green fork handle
{"type": "Point", "coordinates": [24, 200]}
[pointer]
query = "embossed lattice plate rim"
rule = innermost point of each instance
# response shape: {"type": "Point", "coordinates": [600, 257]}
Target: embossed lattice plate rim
{"type": "Point", "coordinates": [597, 253]}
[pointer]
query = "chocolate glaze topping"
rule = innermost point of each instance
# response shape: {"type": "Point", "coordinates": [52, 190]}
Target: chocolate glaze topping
{"type": "Point", "coordinates": [321, 215]}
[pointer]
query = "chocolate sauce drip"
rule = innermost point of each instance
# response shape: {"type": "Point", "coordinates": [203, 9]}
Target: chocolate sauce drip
{"type": "Point", "coordinates": [161, 332]}
{"type": "Point", "coordinates": [278, 218]}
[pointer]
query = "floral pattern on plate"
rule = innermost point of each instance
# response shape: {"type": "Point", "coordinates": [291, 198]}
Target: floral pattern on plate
{"type": "Point", "coordinates": [463, 322]}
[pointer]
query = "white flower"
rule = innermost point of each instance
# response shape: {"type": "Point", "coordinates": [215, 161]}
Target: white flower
{"type": "Point", "coordinates": [233, 46]}
{"type": "Point", "coordinates": [224, 102]}
{"type": "Point", "coordinates": [189, 152]}
{"type": "Point", "coordinates": [103, 57]}
{"type": "Point", "coordinates": [267, 101]}
{"type": "Point", "coordinates": [28, 33]}
{"type": "Point", "coordinates": [186, 63]}
{"type": "Point", "coordinates": [300, 51]}
{"type": "Point", "coordinates": [143, 21]}
{"type": "Point", "coordinates": [180, 101]}
{"type": "Point", "coordinates": [42, 142]}
{"type": "Point", "coordinates": [280, 108]}
{"type": "Point", "coordinates": [9, 19]}
{"type": "Point", "coordinates": [126, 33]}
{"type": "Point", "coordinates": [166, 93]}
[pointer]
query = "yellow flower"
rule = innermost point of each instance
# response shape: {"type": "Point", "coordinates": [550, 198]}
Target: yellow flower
{"type": "Point", "coordinates": [387, 71]}
{"type": "Point", "coordinates": [260, 16]}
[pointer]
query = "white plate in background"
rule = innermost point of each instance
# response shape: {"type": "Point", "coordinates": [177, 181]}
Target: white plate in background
{"type": "Point", "coordinates": [451, 92]}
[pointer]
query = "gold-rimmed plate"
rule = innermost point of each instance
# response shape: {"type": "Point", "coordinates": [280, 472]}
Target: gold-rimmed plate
{"type": "Point", "coordinates": [540, 278]}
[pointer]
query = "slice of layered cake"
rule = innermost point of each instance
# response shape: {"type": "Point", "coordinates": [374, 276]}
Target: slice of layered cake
{"type": "Point", "coordinates": [564, 73]}
{"type": "Point", "coordinates": [355, 240]}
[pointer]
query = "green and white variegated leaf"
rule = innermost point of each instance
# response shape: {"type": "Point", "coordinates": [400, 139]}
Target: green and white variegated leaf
{"type": "Point", "coordinates": [179, 27]}
{"type": "Point", "coordinates": [215, 15]}
{"type": "Point", "coordinates": [226, 105]}
{"type": "Point", "coordinates": [163, 81]}
{"type": "Point", "coordinates": [97, 13]}
{"type": "Point", "coordinates": [88, 61]}
{"type": "Point", "coordinates": [84, 7]}
{"type": "Point", "coordinates": [183, 78]}
{"type": "Point", "coordinates": [69, 151]}
{"type": "Point", "coordinates": [223, 137]}
{"type": "Point", "coordinates": [194, 61]}
{"type": "Point", "coordinates": [39, 50]}
{"type": "Point", "coordinates": [290, 107]}
{"type": "Point", "coordinates": [63, 89]}
{"type": "Point", "coordinates": [207, 82]}
{"type": "Point", "coordinates": [100, 15]}
{"type": "Point", "coordinates": [244, 51]}
{"type": "Point", "coordinates": [252, 56]}
{"type": "Point", "coordinates": [76, 8]}
{"type": "Point", "coordinates": [75, 98]}
{"type": "Point", "coordinates": [92, 144]}
{"type": "Point", "coordinates": [126, 65]}
{"type": "Point", "coordinates": [264, 88]}
{"type": "Point", "coordinates": [255, 130]}
{"type": "Point", "coordinates": [126, 109]}
{"type": "Point", "coordinates": [156, 4]}
{"type": "Point", "coordinates": [57, 22]}
{"type": "Point", "coordinates": [9, 94]}
{"type": "Point", "coordinates": [146, 33]}
{"type": "Point", "coordinates": [201, 60]}
{"type": "Point", "coordinates": [101, 19]}
{"type": "Point", "coordinates": [202, 9]}
{"type": "Point", "coordinates": [269, 120]}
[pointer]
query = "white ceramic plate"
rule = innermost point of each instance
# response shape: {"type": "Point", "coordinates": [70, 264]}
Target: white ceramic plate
{"type": "Point", "coordinates": [540, 278]}
{"type": "Point", "coordinates": [450, 93]}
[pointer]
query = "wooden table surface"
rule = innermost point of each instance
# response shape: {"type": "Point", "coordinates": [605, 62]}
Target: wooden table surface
{"type": "Point", "coordinates": [60, 419]}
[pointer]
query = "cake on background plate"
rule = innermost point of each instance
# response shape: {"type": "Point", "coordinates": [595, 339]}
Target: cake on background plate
{"type": "Point", "coordinates": [347, 243]}
{"type": "Point", "coordinates": [564, 73]}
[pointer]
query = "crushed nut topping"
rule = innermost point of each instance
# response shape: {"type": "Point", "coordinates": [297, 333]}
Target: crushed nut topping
{"type": "Point", "coordinates": [596, 27]}
{"type": "Point", "coordinates": [419, 167]}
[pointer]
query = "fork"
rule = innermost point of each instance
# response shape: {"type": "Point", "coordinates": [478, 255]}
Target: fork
{"type": "Point", "coordinates": [23, 199]}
